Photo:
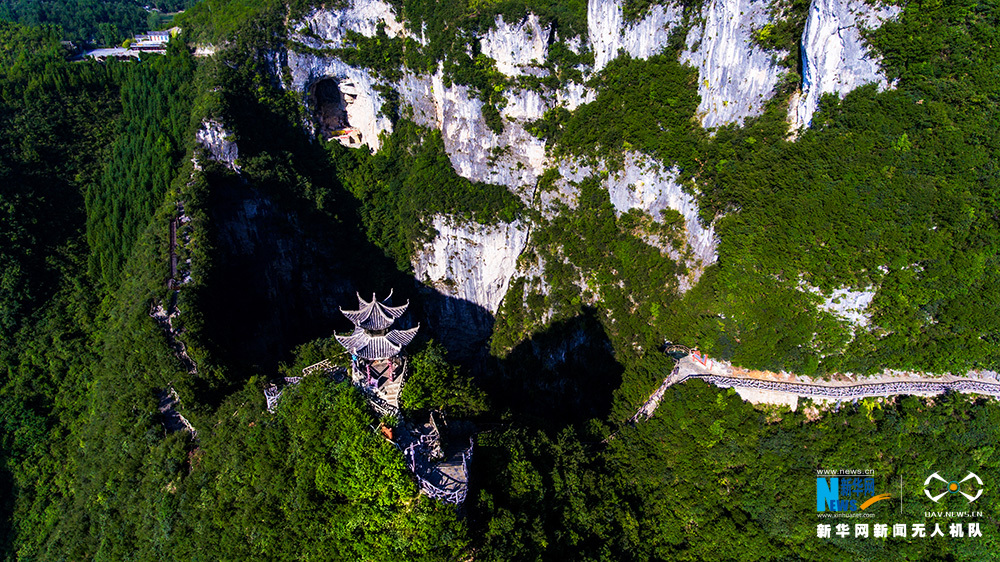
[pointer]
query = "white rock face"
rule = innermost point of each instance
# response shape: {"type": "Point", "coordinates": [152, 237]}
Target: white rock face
{"type": "Point", "coordinates": [516, 46]}
{"type": "Point", "coordinates": [643, 184]}
{"type": "Point", "coordinates": [214, 137]}
{"type": "Point", "coordinates": [846, 304]}
{"type": "Point", "coordinates": [514, 158]}
{"type": "Point", "coordinates": [564, 190]}
{"type": "Point", "coordinates": [574, 96]}
{"type": "Point", "coordinates": [834, 57]}
{"type": "Point", "coordinates": [608, 31]}
{"type": "Point", "coordinates": [360, 16]}
{"type": "Point", "coordinates": [524, 104]}
{"type": "Point", "coordinates": [850, 305]}
{"type": "Point", "coordinates": [327, 29]}
{"type": "Point", "coordinates": [471, 262]}
{"type": "Point", "coordinates": [735, 77]}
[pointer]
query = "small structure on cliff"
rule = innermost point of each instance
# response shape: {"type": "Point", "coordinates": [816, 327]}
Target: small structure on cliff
{"type": "Point", "coordinates": [436, 452]}
{"type": "Point", "coordinates": [332, 100]}
{"type": "Point", "coordinates": [377, 367]}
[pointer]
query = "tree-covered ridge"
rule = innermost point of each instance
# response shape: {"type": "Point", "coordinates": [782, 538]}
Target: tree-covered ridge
{"type": "Point", "coordinates": [102, 22]}
{"type": "Point", "coordinates": [889, 191]}
{"type": "Point", "coordinates": [89, 470]}
{"type": "Point", "coordinates": [710, 477]}
{"type": "Point", "coordinates": [892, 190]}
{"type": "Point", "coordinates": [82, 435]}
{"type": "Point", "coordinates": [322, 486]}
{"type": "Point", "coordinates": [151, 138]}
{"type": "Point", "coordinates": [219, 21]}
{"type": "Point", "coordinates": [645, 105]}
{"type": "Point", "coordinates": [54, 126]}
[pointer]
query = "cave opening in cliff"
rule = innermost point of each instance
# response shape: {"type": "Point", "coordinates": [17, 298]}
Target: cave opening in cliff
{"type": "Point", "coordinates": [331, 99]}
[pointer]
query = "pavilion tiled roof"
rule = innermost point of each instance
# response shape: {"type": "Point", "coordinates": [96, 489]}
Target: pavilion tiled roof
{"type": "Point", "coordinates": [373, 347]}
{"type": "Point", "coordinates": [373, 315]}
{"type": "Point", "coordinates": [373, 339]}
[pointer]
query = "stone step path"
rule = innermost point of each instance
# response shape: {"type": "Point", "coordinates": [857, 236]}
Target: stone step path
{"type": "Point", "coordinates": [723, 375]}
{"type": "Point", "coordinates": [447, 480]}
{"type": "Point", "coordinates": [390, 392]}
{"type": "Point", "coordinates": [859, 390]}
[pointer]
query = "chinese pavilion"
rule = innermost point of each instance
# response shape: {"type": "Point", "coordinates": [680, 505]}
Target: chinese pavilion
{"type": "Point", "coordinates": [376, 365]}
{"type": "Point", "coordinates": [378, 368]}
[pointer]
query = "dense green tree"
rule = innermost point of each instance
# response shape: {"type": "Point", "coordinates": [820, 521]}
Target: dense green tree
{"type": "Point", "coordinates": [54, 128]}
{"type": "Point", "coordinates": [436, 384]}
{"type": "Point", "coordinates": [894, 189]}
{"type": "Point", "coordinates": [150, 140]}
{"type": "Point", "coordinates": [104, 22]}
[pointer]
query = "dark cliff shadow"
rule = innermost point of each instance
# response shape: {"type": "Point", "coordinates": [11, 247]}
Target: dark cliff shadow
{"type": "Point", "coordinates": [279, 273]}
{"type": "Point", "coordinates": [561, 376]}
{"type": "Point", "coordinates": [285, 247]}
{"type": "Point", "coordinates": [288, 249]}
{"type": "Point", "coordinates": [279, 276]}
{"type": "Point", "coordinates": [272, 279]}
{"type": "Point", "coordinates": [462, 327]}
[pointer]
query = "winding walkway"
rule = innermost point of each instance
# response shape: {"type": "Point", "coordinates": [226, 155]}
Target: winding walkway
{"type": "Point", "coordinates": [754, 389]}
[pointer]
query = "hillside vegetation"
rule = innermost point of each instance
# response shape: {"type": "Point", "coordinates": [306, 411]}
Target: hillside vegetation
{"type": "Point", "coordinates": [895, 190]}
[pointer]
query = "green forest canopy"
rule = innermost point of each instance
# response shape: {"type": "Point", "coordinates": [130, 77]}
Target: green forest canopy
{"type": "Point", "coordinates": [94, 22]}
{"type": "Point", "coordinates": [896, 179]}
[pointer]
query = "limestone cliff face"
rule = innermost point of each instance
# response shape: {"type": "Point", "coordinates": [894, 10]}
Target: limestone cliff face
{"type": "Point", "coordinates": [216, 140]}
{"type": "Point", "coordinates": [846, 304]}
{"type": "Point", "coordinates": [365, 113]}
{"type": "Point", "coordinates": [517, 48]}
{"type": "Point", "coordinates": [327, 29]}
{"type": "Point", "coordinates": [513, 158]}
{"type": "Point", "coordinates": [471, 266]}
{"type": "Point", "coordinates": [474, 263]}
{"type": "Point", "coordinates": [834, 55]}
{"type": "Point", "coordinates": [608, 32]}
{"type": "Point", "coordinates": [735, 76]}
{"type": "Point", "coordinates": [363, 17]}
{"type": "Point", "coordinates": [644, 184]}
